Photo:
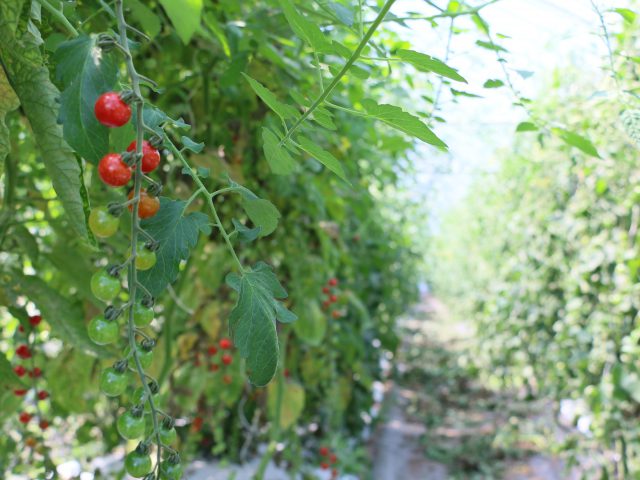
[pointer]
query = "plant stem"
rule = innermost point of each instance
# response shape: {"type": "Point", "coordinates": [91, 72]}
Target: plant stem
{"type": "Point", "coordinates": [135, 221]}
{"type": "Point", "coordinates": [59, 16]}
{"type": "Point", "coordinates": [208, 197]}
{"type": "Point", "coordinates": [354, 56]}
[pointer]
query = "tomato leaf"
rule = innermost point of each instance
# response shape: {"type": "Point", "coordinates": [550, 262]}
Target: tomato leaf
{"type": "Point", "coordinates": [184, 15]}
{"type": "Point", "coordinates": [305, 29]}
{"type": "Point", "coordinates": [405, 122]}
{"type": "Point", "coordinates": [578, 141]}
{"type": "Point", "coordinates": [177, 234]}
{"type": "Point", "coordinates": [262, 213]}
{"type": "Point", "coordinates": [283, 110]}
{"type": "Point", "coordinates": [85, 72]}
{"type": "Point", "coordinates": [23, 64]}
{"type": "Point", "coordinates": [324, 157]}
{"type": "Point", "coordinates": [277, 156]}
{"type": "Point", "coordinates": [8, 102]}
{"type": "Point", "coordinates": [253, 320]}
{"type": "Point", "coordinates": [426, 63]}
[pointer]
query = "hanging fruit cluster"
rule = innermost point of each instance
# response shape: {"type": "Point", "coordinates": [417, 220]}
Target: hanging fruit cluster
{"type": "Point", "coordinates": [33, 394]}
{"type": "Point", "coordinates": [328, 461]}
{"type": "Point", "coordinates": [331, 292]}
{"type": "Point", "coordinates": [215, 363]}
{"type": "Point", "coordinates": [141, 420]}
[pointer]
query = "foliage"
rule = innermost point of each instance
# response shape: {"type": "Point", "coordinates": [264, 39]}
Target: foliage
{"type": "Point", "coordinates": [300, 170]}
{"type": "Point", "coordinates": [550, 268]}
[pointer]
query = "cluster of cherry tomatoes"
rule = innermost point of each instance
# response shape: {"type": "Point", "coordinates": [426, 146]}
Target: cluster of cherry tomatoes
{"type": "Point", "coordinates": [116, 170]}
{"type": "Point", "coordinates": [226, 359]}
{"type": "Point", "coordinates": [33, 393]}
{"type": "Point", "coordinates": [331, 297]}
{"type": "Point", "coordinates": [328, 461]}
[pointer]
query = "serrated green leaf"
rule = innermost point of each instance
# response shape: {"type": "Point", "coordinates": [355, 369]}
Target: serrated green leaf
{"type": "Point", "coordinates": [278, 157]}
{"type": "Point", "coordinates": [245, 234]}
{"type": "Point", "coordinates": [184, 15]}
{"type": "Point", "coordinates": [177, 234]}
{"type": "Point", "coordinates": [305, 29]}
{"type": "Point", "coordinates": [323, 117]}
{"type": "Point", "coordinates": [291, 402]}
{"type": "Point", "coordinates": [23, 64]}
{"type": "Point", "coordinates": [262, 213]}
{"type": "Point", "coordinates": [426, 63]}
{"type": "Point", "coordinates": [212, 22]}
{"type": "Point", "coordinates": [311, 325]}
{"type": "Point", "coordinates": [578, 141]}
{"type": "Point", "coordinates": [84, 72]}
{"type": "Point", "coordinates": [283, 110]}
{"type": "Point", "coordinates": [191, 145]}
{"type": "Point", "coordinates": [144, 15]}
{"type": "Point", "coordinates": [252, 321]}
{"type": "Point", "coordinates": [459, 93]}
{"type": "Point", "coordinates": [493, 83]}
{"type": "Point", "coordinates": [323, 157]}
{"type": "Point", "coordinates": [491, 46]}
{"type": "Point", "coordinates": [526, 127]}
{"type": "Point", "coordinates": [8, 103]}
{"type": "Point", "coordinates": [405, 122]}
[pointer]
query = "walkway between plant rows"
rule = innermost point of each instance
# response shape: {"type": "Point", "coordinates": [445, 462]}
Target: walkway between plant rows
{"type": "Point", "coordinates": [441, 424]}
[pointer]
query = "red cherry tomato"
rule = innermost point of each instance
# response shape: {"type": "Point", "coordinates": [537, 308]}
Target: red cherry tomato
{"type": "Point", "coordinates": [23, 351]}
{"type": "Point", "coordinates": [35, 320]}
{"type": "Point", "coordinates": [20, 370]}
{"type": "Point", "coordinates": [44, 424]}
{"type": "Point", "coordinates": [148, 205]}
{"type": "Point", "coordinates": [324, 451]}
{"type": "Point", "coordinates": [24, 417]}
{"type": "Point", "coordinates": [113, 171]}
{"type": "Point", "coordinates": [333, 282]}
{"type": "Point", "coordinates": [111, 110]}
{"type": "Point", "coordinates": [150, 156]}
{"type": "Point", "coordinates": [225, 344]}
{"type": "Point", "coordinates": [227, 379]}
{"type": "Point", "coordinates": [20, 392]}
{"type": "Point", "coordinates": [43, 395]}
{"type": "Point", "coordinates": [227, 359]}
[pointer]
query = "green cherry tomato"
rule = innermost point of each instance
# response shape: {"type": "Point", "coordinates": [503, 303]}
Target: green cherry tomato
{"type": "Point", "coordinates": [137, 398]}
{"type": "Point", "coordinates": [146, 357]}
{"type": "Point", "coordinates": [130, 426]}
{"type": "Point", "coordinates": [142, 316]}
{"type": "Point", "coordinates": [102, 331]}
{"type": "Point", "coordinates": [168, 436]}
{"type": "Point", "coordinates": [112, 382]}
{"type": "Point", "coordinates": [104, 286]}
{"type": "Point", "coordinates": [170, 471]}
{"type": "Point", "coordinates": [102, 223]}
{"type": "Point", "coordinates": [145, 258]}
{"type": "Point", "coordinates": [137, 464]}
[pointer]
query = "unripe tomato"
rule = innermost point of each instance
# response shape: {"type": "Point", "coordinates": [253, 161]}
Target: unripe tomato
{"type": "Point", "coordinates": [148, 205]}
{"type": "Point", "coordinates": [170, 471]}
{"type": "Point", "coordinates": [168, 436]}
{"type": "Point", "coordinates": [150, 156]}
{"type": "Point", "coordinates": [145, 357]}
{"type": "Point", "coordinates": [113, 171]}
{"type": "Point", "coordinates": [102, 331]}
{"type": "Point", "coordinates": [145, 258]}
{"type": "Point", "coordinates": [104, 286]}
{"type": "Point", "coordinates": [102, 223]}
{"type": "Point", "coordinates": [111, 110]}
{"type": "Point", "coordinates": [131, 426]}
{"type": "Point", "coordinates": [137, 464]}
{"type": "Point", "coordinates": [142, 316]}
{"type": "Point", "coordinates": [112, 382]}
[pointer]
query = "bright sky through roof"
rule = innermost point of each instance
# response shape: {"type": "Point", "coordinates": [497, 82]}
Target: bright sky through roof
{"type": "Point", "coordinates": [544, 35]}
